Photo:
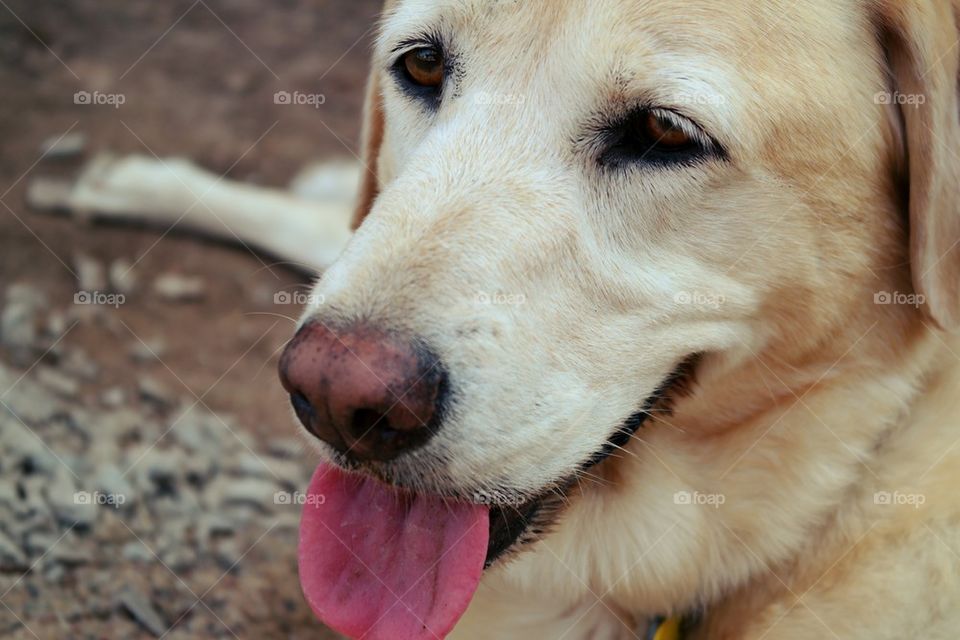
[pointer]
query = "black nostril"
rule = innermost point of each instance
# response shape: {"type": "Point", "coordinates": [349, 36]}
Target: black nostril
{"type": "Point", "coordinates": [366, 420]}
{"type": "Point", "coordinates": [304, 410]}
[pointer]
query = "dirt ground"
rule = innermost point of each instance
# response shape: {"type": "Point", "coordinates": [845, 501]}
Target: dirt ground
{"type": "Point", "coordinates": [198, 79]}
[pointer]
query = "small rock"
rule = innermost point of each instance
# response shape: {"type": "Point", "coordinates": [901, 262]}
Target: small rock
{"type": "Point", "coordinates": [158, 472]}
{"type": "Point", "coordinates": [111, 481]}
{"type": "Point", "coordinates": [200, 431]}
{"type": "Point", "coordinates": [113, 397]}
{"type": "Point", "coordinates": [12, 557]}
{"type": "Point", "coordinates": [78, 364]}
{"type": "Point", "coordinates": [228, 554]}
{"type": "Point", "coordinates": [136, 552]}
{"type": "Point", "coordinates": [212, 526]}
{"type": "Point", "coordinates": [38, 543]}
{"type": "Point", "coordinates": [71, 507]}
{"type": "Point", "coordinates": [142, 610]}
{"type": "Point", "coordinates": [149, 350]}
{"type": "Point", "coordinates": [26, 450]}
{"type": "Point", "coordinates": [56, 324]}
{"type": "Point", "coordinates": [154, 392]}
{"type": "Point", "coordinates": [177, 288]}
{"type": "Point", "coordinates": [58, 382]}
{"type": "Point", "coordinates": [287, 473]}
{"type": "Point", "coordinates": [8, 494]}
{"type": "Point", "coordinates": [18, 320]}
{"type": "Point", "coordinates": [69, 555]}
{"type": "Point", "coordinates": [243, 492]}
{"type": "Point", "coordinates": [122, 277]}
{"type": "Point", "coordinates": [91, 276]}
{"type": "Point", "coordinates": [53, 573]}
{"type": "Point", "coordinates": [62, 147]}
{"type": "Point", "coordinates": [35, 522]}
{"type": "Point", "coordinates": [180, 557]}
{"type": "Point", "coordinates": [32, 504]}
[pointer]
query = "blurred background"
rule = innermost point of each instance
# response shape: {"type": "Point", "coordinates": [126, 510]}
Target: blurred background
{"type": "Point", "coordinates": [149, 466]}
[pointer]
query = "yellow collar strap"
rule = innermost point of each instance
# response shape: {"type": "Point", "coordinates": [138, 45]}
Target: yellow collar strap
{"type": "Point", "coordinates": [664, 629]}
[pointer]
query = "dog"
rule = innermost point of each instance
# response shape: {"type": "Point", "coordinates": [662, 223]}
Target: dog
{"type": "Point", "coordinates": [661, 294]}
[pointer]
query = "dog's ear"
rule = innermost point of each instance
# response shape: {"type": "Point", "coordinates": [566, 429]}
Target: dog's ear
{"type": "Point", "coordinates": [920, 42]}
{"type": "Point", "coordinates": [371, 141]}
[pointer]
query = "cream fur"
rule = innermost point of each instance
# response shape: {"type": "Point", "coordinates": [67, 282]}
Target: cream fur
{"type": "Point", "coordinates": [813, 402]}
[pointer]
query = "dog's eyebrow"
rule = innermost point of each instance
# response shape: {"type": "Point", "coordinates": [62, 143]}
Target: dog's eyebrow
{"type": "Point", "coordinates": [429, 37]}
{"type": "Point", "coordinates": [696, 98]}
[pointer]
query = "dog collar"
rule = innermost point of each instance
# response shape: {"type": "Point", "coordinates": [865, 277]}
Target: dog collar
{"type": "Point", "coordinates": [664, 629]}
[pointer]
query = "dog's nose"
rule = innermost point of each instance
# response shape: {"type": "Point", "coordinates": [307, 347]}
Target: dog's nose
{"type": "Point", "coordinates": [366, 393]}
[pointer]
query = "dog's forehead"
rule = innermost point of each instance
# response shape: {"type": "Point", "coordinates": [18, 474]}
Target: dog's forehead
{"type": "Point", "coordinates": [734, 57]}
{"type": "Point", "coordinates": [741, 29]}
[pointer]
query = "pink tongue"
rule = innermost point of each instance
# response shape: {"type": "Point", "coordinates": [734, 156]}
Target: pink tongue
{"type": "Point", "coordinates": [378, 564]}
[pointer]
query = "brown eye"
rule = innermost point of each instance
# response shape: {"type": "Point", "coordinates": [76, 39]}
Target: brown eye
{"type": "Point", "coordinates": [663, 133]}
{"type": "Point", "coordinates": [657, 138]}
{"type": "Point", "coordinates": [424, 67]}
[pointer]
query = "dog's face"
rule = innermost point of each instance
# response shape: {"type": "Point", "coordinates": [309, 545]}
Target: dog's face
{"type": "Point", "coordinates": [575, 201]}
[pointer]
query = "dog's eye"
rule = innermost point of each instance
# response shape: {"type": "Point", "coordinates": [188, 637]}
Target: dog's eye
{"type": "Point", "coordinates": [663, 133]}
{"type": "Point", "coordinates": [656, 137]}
{"type": "Point", "coordinates": [424, 67]}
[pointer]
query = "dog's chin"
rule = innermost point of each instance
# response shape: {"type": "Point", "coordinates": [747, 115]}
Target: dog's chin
{"type": "Point", "coordinates": [518, 521]}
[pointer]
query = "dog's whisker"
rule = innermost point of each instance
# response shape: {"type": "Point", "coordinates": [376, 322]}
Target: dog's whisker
{"type": "Point", "coordinates": [292, 320]}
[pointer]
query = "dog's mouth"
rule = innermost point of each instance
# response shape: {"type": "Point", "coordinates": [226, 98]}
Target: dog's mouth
{"type": "Point", "coordinates": [380, 562]}
{"type": "Point", "coordinates": [514, 526]}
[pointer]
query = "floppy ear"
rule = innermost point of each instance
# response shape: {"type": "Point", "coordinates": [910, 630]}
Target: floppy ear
{"type": "Point", "coordinates": [920, 40]}
{"type": "Point", "coordinates": [371, 141]}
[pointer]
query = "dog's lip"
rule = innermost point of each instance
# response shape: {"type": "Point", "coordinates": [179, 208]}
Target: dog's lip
{"type": "Point", "coordinates": [507, 524]}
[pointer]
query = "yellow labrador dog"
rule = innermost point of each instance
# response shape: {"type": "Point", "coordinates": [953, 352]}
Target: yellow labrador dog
{"type": "Point", "coordinates": [645, 327]}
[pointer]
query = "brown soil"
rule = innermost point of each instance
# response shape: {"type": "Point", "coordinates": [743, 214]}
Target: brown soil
{"type": "Point", "coordinates": [198, 80]}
